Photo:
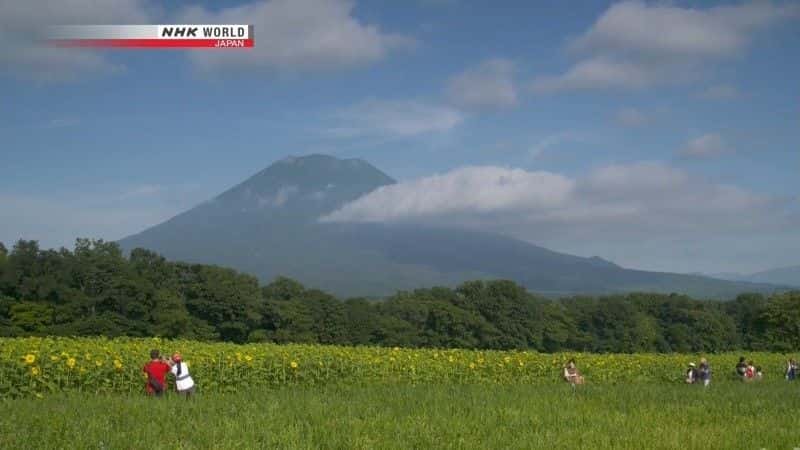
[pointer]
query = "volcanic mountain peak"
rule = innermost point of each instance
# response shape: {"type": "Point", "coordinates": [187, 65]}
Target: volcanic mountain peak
{"type": "Point", "coordinates": [312, 174]}
{"type": "Point", "coordinates": [268, 225]}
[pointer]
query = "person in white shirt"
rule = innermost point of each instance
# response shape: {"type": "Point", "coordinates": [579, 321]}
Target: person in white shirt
{"type": "Point", "coordinates": [571, 373]}
{"type": "Point", "coordinates": [691, 373]}
{"type": "Point", "coordinates": [183, 381]}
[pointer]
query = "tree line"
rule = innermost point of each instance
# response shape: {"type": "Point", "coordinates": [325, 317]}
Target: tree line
{"type": "Point", "coordinates": [96, 290]}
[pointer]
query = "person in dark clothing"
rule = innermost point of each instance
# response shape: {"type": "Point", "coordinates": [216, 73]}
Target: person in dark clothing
{"type": "Point", "coordinates": [704, 372]}
{"type": "Point", "coordinates": [741, 368]}
{"type": "Point", "coordinates": [791, 370]}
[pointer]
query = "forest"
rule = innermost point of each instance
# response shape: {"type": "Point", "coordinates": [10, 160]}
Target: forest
{"type": "Point", "coordinates": [96, 289]}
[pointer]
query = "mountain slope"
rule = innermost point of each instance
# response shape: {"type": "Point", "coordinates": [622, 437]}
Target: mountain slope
{"type": "Point", "coordinates": [268, 226]}
{"type": "Point", "coordinates": [788, 276]}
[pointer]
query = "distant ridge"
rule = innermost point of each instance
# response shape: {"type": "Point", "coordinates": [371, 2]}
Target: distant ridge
{"type": "Point", "coordinates": [788, 276]}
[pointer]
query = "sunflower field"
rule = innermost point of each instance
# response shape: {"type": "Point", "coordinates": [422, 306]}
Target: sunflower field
{"type": "Point", "coordinates": [40, 366]}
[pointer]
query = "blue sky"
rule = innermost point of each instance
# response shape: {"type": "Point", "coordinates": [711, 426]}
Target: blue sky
{"type": "Point", "coordinates": [659, 135]}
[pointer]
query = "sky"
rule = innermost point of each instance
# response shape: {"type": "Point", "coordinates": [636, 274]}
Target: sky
{"type": "Point", "coordinates": [659, 135]}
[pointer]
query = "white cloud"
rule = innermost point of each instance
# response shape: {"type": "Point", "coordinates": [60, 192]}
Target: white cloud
{"type": "Point", "coordinates": [622, 202]}
{"type": "Point", "coordinates": [634, 44]}
{"type": "Point", "coordinates": [21, 25]}
{"type": "Point", "coordinates": [490, 85]}
{"type": "Point", "coordinates": [600, 72]}
{"type": "Point", "coordinates": [479, 190]}
{"type": "Point", "coordinates": [643, 215]}
{"type": "Point", "coordinates": [630, 117]}
{"type": "Point", "coordinates": [280, 198]}
{"type": "Point", "coordinates": [634, 27]}
{"type": "Point", "coordinates": [394, 118]}
{"type": "Point", "coordinates": [297, 35]}
{"type": "Point", "coordinates": [618, 181]}
{"type": "Point", "coordinates": [705, 146]}
{"type": "Point", "coordinates": [721, 92]}
{"type": "Point", "coordinates": [50, 65]}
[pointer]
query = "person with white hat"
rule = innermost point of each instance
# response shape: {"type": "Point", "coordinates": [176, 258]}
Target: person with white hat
{"type": "Point", "coordinates": [184, 383]}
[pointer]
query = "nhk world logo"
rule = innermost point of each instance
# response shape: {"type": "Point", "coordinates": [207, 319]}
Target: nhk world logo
{"type": "Point", "coordinates": [154, 36]}
{"type": "Point", "coordinates": [203, 31]}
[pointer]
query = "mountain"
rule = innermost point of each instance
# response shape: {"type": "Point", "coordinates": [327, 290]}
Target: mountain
{"type": "Point", "coordinates": [268, 226]}
{"type": "Point", "coordinates": [788, 276]}
{"type": "Point", "coordinates": [784, 275]}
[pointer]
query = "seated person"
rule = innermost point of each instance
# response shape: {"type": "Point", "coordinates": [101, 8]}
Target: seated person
{"type": "Point", "coordinates": [741, 367]}
{"type": "Point", "coordinates": [571, 373]}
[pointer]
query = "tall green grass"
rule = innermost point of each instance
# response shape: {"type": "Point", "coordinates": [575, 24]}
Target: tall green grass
{"type": "Point", "coordinates": [442, 416]}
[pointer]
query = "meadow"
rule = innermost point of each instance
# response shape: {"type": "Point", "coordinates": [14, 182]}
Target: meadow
{"type": "Point", "coordinates": [404, 416]}
{"type": "Point", "coordinates": [87, 393]}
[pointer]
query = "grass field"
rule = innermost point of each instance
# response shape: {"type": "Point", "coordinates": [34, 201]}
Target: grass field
{"type": "Point", "coordinates": [404, 416]}
{"type": "Point", "coordinates": [87, 393]}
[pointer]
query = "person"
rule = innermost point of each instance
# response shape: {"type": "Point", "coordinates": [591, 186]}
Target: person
{"type": "Point", "coordinates": [691, 373]}
{"type": "Point", "coordinates": [184, 383]}
{"type": "Point", "coordinates": [705, 372]}
{"type": "Point", "coordinates": [156, 371]}
{"type": "Point", "coordinates": [791, 369]}
{"type": "Point", "coordinates": [750, 371]}
{"type": "Point", "coordinates": [741, 368]}
{"type": "Point", "coordinates": [759, 374]}
{"type": "Point", "coordinates": [571, 373]}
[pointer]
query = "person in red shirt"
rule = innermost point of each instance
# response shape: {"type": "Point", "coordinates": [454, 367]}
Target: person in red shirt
{"type": "Point", "coordinates": [156, 371]}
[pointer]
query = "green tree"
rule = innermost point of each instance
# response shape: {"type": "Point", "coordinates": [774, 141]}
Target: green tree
{"type": "Point", "coordinates": [361, 322]}
{"type": "Point", "coordinates": [747, 313]}
{"type": "Point", "coordinates": [283, 288]}
{"type": "Point", "coordinates": [229, 301]}
{"type": "Point", "coordinates": [31, 317]}
{"type": "Point", "coordinates": [782, 319]}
